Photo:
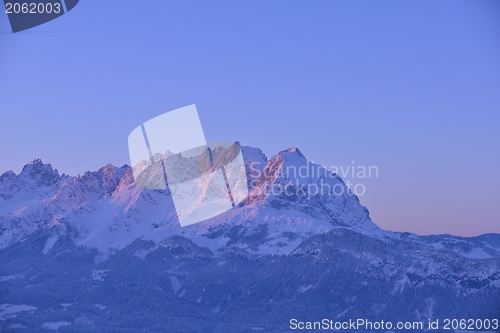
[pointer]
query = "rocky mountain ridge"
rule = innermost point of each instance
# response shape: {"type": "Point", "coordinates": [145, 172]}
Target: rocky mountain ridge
{"type": "Point", "coordinates": [95, 252]}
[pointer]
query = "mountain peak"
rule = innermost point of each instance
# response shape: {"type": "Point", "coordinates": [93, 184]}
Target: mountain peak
{"type": "Point", "coordinates": [292, 150]}
{"type": "Point", "coordinates": [36, 161]}
{"type": "Point", "coordinates": [42, 174]}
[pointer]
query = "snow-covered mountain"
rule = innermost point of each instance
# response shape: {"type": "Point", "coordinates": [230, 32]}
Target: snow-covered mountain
{"type": "Point", "coordinates": [97, 251]}
{"type": "Point", "coordinates": [109, 211]}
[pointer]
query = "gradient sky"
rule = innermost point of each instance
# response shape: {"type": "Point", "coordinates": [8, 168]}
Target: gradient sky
{"type": "Point", "coordinates": [411, 87]}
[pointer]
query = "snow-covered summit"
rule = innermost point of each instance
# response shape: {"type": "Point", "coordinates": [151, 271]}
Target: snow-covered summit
{"type": "Point", "coordinates": [39, 174]}
{"type": "Point", "coordinates": [290, 182]}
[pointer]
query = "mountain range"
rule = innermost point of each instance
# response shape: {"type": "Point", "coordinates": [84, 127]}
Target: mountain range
{"type": "Point", "coordinates": [96, 253]}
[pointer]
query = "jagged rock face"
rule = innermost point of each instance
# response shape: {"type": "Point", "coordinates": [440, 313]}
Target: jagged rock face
{"type": "Point", "coordinates": [39, 195]}
{"type": "Point", "coordinates": [9, 185]}
{"type": "Point", "coordinates": [38, 174]}
{"type": "Point", "coordinates": [99, 253]}
{"type": "Point", "coordinates": [290, 182]}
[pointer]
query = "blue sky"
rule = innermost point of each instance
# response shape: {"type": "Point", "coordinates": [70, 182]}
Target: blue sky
{"type": "Point", "coordinates": [409, 86]}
